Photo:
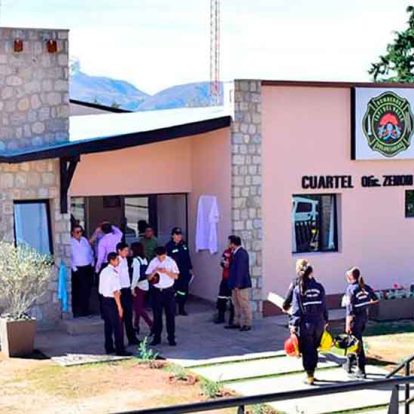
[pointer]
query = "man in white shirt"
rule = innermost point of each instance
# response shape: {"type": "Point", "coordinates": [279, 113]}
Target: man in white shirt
{"type": "Point", "coordinates": [162, 272]}
{"type": "Point", "coordinates": [112, 312]}
{"type": "Point", "coordinates": [126, 295]}
{"type": "Point", "coordinates": [82, 272]}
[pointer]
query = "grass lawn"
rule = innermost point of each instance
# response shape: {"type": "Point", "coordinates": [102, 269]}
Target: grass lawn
{"type": "Point", "coordinates": [43, 387]}
{"type": "Point", "coordinates": [40, 386]}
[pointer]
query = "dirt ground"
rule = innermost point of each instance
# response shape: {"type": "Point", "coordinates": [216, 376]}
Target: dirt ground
{"type": "Point", "coordinates": [390, 349]}
{"type": "Point", "coordinates": [42, 387]}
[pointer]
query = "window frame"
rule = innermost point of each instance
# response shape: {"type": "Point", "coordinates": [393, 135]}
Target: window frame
{"type": "Point", "coordinates": [405, 205]}
{"type": "Point", "coordinates": [46, 202]}
{"type": "Point", "coordinates": [335, 197]}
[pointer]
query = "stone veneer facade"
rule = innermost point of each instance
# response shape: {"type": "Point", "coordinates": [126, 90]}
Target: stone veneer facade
{"type": "Point", "coordinates": [34, 112]}
{"type": "Point", "coordinates": [34, 94]}
{"type": "Point", "coordinates": [246, 137]}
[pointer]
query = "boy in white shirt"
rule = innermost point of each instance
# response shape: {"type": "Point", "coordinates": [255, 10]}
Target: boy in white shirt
{"type": "Point", "coordinates": [112, 312]}
{"type": "Point", "coordinates": [126, 296]}
{"type": "Point", "coordinates": [162, 272]}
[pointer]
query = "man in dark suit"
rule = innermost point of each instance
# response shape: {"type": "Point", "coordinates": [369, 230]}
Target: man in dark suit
{"type": "Point", "coordinates": [240, 284]}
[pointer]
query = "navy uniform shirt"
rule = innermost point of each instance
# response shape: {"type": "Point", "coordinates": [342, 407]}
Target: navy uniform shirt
{"type": "Point", "coordinates": [181, 255]}
{"type": "Point", "coordinates": [311, 306]}
{"type": "Point", "coordinates": [358, 299]}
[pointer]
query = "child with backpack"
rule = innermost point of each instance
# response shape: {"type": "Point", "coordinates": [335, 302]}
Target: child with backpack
{"type": "Point", "coordinates": [139, 285]}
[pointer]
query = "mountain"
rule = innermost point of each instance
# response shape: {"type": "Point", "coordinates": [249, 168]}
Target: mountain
{"type": "Point", "coordinates": [189, 95]}
{"type": "Point", "coordinates": [103, 90]}
{"type": "Point", "coordinates": [107, 91]}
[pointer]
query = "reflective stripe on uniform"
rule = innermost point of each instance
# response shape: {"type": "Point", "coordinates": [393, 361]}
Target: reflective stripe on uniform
{"type": "Point", "coordinates": [361, 304]}
{"type": "Point", "coordinates": [315, 302]}
{"type": "Point", "coordinates": [223, 297]}
{"type": "Point", "coordinates": [180, 293]}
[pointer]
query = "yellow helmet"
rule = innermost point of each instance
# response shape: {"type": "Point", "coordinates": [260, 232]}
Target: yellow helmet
{"type": "Point", "coordinates": [326, 341]}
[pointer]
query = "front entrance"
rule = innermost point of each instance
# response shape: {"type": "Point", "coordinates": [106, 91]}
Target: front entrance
{"type": "Point", "coordinates": [131, 213]}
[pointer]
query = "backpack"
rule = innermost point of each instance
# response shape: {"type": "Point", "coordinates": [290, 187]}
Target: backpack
{"type": "Point", "coordinates": [142, 269]}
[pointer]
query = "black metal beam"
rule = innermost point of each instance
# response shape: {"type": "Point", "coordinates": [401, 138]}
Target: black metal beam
{"type": "Point", "coordinates": [67, 170]}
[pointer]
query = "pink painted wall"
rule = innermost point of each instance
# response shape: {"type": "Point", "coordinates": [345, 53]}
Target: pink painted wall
{"type": "Point", "coordinates": [306, 131]}
{"type": "Point", "coordinates": [155, 168]}
{"type": "Point", "coordinates": [211, 175]}
{"type": "Point", "coordinates": [195, 165]}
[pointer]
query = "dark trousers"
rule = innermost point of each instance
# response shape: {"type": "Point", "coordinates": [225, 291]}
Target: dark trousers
{"type": "Point", "coordinates": [126, 302]}
{"type": "Point", "coordinates": [310, 334]}
{"type": "Point", "coordinates": [139, 309]}
{"type": "Point", "coordinates": [82, 281]}
{"type": "Point", "coordinates": [113, 325]}
{"type": "Point", "coordinates": [358, 328]}
{"type": "Point", "coordinates": [224, 302]}
{"type": "Point", "coordinates": [163, 300]}
{"type": "Point", "coordinates": [181, 287]}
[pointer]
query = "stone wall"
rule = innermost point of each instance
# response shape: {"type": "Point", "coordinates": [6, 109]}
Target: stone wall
{"type": "Point", "coordinates": [31, 181]}
{"type": "Point", "coordinates": [247, 178]}
{"type": "Point", "coordinates": [34, 89]}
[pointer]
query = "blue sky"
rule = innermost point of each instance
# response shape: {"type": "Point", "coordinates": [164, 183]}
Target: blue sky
{"type": "Point", "coordinates": [158, 43]}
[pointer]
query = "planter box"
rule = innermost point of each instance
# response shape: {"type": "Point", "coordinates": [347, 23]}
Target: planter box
{"type": "Point", "coordinates": [17, 337]}
{"type": "Point", "coordinates": [392, 309]}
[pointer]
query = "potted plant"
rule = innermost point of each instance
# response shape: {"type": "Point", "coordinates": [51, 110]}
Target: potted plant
{"type": "Point", "coordinates": [24, 276]}
{"type": "Point", "coordinates": [395, 303]}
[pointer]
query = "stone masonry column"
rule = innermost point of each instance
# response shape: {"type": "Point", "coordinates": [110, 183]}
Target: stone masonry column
{"type": "Point", "coordinates": [246, 139]}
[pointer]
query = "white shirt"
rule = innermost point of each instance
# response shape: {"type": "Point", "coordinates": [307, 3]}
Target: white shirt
{"type": "Point", "coordinates": [123, 273]}
{"type": "Point", "coordinates": [168, 264]}
{"type": "Point", "coordinates": [136, 273]}
{"type": "Point", "coordinates": [109, 282]}
{"type": "Point", "coordinates": [207, 219]}
{"type": "Point", "coordinates": [82, 254]}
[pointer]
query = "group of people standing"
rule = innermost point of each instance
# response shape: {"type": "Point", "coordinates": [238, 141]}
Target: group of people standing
{"type": "Point", "coordinates": [306, 303]}
{"type": "Point", "coordinates": [128, 279]}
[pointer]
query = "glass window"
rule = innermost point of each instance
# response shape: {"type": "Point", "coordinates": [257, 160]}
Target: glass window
{"type": "Point", "coordinates": [314, 223]}
{"type": "Point", "coordinates": [77, 209]}
{"type": "Point", "coordinates": [136, 212]}
{"type": "Point", "coordinates": [409, 203]}
{"type": "Point", "coordinates": [32, 225]}
{"type": "Point", "coordinates": [171, 212]}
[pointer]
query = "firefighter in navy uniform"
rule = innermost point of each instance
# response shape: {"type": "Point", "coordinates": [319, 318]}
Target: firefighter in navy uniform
{"type": "Point", "coordinates": [358, 297]}
{"type": "Point", "coordinates": [177, 249]}
{"type": "Point", "coordinates": [309, 318]}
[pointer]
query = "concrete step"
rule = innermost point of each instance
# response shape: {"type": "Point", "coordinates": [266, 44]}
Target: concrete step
{"type": "Point", "coordinates": [355, 400]}
{"type": "Point", "coordinates": [84, 325]}
{"type": "Point", "coordinates": [192, 363]}
{"type": "Point", "coordinates": [239, 371]}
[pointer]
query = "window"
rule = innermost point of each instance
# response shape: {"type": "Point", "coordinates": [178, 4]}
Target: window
{"type": "Point", "coordinates": [77, 209]}
{"type": "Point", "coordinates": [409, 203]}
{"type": "Point", "coordinates": [314, 223]}
{"type": "Point", "coordinates": [32, 225]}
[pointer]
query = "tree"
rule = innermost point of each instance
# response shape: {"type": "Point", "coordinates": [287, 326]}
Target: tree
{"type": "Point", "coordinates": [115, 105]}
{"type": "Point", "coordinates": [397, 65]}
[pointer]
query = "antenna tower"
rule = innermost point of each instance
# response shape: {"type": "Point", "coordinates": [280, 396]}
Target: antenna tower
{"type": "Point", "coordinates": [214, 52]}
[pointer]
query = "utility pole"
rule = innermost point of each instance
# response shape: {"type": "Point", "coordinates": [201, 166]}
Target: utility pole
{"type": "Point", "coordinates": [214, 52]}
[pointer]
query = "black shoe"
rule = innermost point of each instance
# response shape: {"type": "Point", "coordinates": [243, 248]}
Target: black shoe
{"type": "Point", "coordinates": [134, 341]}
{"type": "Point", "coordinates": [124, 353]}
{"type": "Point", "coordinates": [182, 312]}
{"type": "Point", "coordinates": [110, 351]}
{"type": "Point", "coordinates": [245, 328]}
{"type": "Point", "coordinates": [155, 342]}
{"type": "Point", "coordinates": [172, 343]}
{"type": "Point", "coordinates": [232, 327]}
{"type": "Point", "coordinates": [360, 374]}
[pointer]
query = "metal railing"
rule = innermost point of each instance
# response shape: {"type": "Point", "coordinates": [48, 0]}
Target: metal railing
{"type": "Point", "coordinates": [240, 403]}
{"type": "Point", "coordinates": [406, 366]}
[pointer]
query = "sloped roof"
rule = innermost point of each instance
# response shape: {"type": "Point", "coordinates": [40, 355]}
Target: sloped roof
{"type": "Point", "coordinates": [108, 132]}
